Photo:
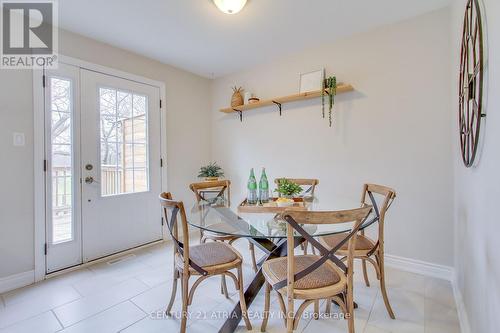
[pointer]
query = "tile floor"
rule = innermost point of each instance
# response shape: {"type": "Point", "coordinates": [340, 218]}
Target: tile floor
{"type": "Point", "coordinates": [129, 296]}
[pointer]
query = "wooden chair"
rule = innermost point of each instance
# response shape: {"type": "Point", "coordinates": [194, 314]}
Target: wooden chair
{"type": "Point", "coordinates": [205, 260]}
{"type": "Point", "coordinates": [312, 183]}
{"type": "Point", "coordinates": [313, 277]}
{"type": "Point", "coordinates": [221, 187]}
{"type": "Point", "coordinates": [366, 248]}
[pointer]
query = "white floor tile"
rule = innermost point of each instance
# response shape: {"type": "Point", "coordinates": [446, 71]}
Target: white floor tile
{"type": "Point", "coordinates": [163, 325]}
{"type": "Point", "coordinates": [440, 318]}
{"type": "Point", "coordinates": [43, 323]}
{"type": "Point", "coordinates": [73, 312]}
{"type": "Point", "coordinates": [156, 276]}
{"type": "Point", "coordinates": [396, 279]}
{"type": "Point", "coordinates": [109, 321]}
{"type": "Point", "coordinates": [408, 308]}
{"type": "Point", "coordinates": [373, 329]}
{"type": "Point", "coordinates": [30, 308]}
{"type": "Point", "coordinates": [38, 293]}
{"type": "Point", "coordinates": [440, 291]}
{"type": "Point", "coordinates": [98, 283]}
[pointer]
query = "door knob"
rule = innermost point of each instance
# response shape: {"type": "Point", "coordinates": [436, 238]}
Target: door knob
{"type": "Point", "coordinates": [89, 180]}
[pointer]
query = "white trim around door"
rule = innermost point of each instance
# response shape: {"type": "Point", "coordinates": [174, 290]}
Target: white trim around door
{"type": "Point", "coordinates": [40, 154]}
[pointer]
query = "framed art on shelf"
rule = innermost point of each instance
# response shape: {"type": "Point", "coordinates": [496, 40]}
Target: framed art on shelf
{"type": "Point", "coordinates": [311, 81]}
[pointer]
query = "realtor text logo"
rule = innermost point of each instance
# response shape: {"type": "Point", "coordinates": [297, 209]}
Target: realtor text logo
{"type": "Point", "coordinates": [29, 34]}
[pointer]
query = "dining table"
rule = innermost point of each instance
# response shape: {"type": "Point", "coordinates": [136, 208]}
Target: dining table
{"type": "Point", "coordinates": [267, 231]}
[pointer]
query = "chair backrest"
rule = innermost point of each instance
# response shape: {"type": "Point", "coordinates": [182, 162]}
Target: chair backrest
{"type": "Point", "coordinates": [386, 196]}
{"type": "Point", "coordinates": [222, 186]}
{"type": "Point", "coordinates": [174, 208]}
{"type": "Point", "coordinates": [294, 221]}
{"type": "Point", "coordinates": [302, 182]}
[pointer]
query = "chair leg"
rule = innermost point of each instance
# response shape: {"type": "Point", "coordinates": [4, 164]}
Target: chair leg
{"type": "Point", "coordinates": [185, 295]}
{"type": "Point", "coordinates": [304, 246]}
{"type": "Point", "coordinates": [350, 310]}
{"type": "Point", "coordinates": [174, 292]}
{"type": "Point", "coordinates": [243, 303]}
{"type": "Point", "coordinates": [223, 286]}
{"type": "Point", "coordinates": [365, 273]}
{"type": "Point", "coordinates": [267, 302]}
{"type": "Point", "coordinates": [316, 309]}
{"type": "Point", "coordinates": [290, 315]}
{"type": "Point", "coordinates": [382, 286]}
{"type": "Point", "coordinates": [252, 253]}
{"type": "Point", "coordinates": [328, 307]}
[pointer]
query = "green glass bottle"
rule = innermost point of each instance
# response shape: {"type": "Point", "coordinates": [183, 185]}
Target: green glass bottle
{"type": "Point", "coordinates": [263, 187]}
{"type": "Point", "coordinates": [252, 189]}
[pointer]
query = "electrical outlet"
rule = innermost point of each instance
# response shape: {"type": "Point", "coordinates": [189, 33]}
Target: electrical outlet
{"type": "Point", "coordinates": [18, 140]}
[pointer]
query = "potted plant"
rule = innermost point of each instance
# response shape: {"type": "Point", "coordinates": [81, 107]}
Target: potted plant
{"type": "Point", "coordinates": [211, 172]}
{"type": "Point", "coordinates": [287, 188]}
{"type": "Point", "coordinates": [330, 85]}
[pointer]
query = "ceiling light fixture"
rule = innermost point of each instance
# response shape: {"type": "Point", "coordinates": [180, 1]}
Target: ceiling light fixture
{"type": "Point", "coordinates": [230, 6]}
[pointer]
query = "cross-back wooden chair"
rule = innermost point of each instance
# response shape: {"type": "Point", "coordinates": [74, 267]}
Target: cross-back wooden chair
{"type": "Point", "coordinates": [204, 260]}
{"type": "Point", "coordinates": [313, 277]}
{"type": "Point", "coordinates": [222, 188]}
{"type": "Point", "coordinates": [312, 183]}
{"type": "Point", "coordinates": [366, 248]}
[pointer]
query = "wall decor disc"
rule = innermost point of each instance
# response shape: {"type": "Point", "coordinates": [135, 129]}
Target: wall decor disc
{"type": "Point", "coordinates": [471, 82]}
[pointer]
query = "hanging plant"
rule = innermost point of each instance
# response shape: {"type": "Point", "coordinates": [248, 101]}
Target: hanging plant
{"type": "Point", "coordinates": [330, 85]}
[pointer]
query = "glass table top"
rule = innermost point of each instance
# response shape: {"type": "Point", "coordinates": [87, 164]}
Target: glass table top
{"type": "Point", "coordinates": [214, 215]}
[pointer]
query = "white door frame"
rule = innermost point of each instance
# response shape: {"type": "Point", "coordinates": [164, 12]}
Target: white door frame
{"type": "Point", "coordinates": [39, 148]}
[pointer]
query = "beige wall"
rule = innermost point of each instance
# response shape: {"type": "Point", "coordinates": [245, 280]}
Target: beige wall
{"type": "Point", "coordinates": [477, 227]}
{"type": "Point", "coordinates": [395, 129]}
{"type": "Point", "coordinates": [187, 104]}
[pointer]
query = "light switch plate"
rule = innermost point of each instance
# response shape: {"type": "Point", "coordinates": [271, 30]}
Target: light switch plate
{"type": "Point", "coordinates": [18, 140]}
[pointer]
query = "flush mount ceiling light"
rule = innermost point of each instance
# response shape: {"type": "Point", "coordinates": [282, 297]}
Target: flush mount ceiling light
{"type": "Point", "coordinates": [230, 6]}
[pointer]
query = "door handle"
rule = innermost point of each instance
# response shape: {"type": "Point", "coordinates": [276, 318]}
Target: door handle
{"type": "Point", "coordinates": [89, 180]}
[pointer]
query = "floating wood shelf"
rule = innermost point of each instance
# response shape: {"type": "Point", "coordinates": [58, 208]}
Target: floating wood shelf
{"type": "Point", "coordinates": [341, 88]}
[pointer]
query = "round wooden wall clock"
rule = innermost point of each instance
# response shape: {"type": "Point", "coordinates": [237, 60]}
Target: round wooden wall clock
{"type": "Point", "coordinates": [471, 82]}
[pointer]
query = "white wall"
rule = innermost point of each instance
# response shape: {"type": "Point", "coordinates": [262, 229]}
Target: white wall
{"type": "Point", "coordinates": [395, 129]}
{"type": "Point", "coordinates": [477, 225]}
{"type": "Point", "coordinates": [188, 101]}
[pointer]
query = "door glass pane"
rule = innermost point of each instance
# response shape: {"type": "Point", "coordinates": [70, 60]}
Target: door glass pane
{"type": "Point", "coordinates": [124, 139]}
{"type": "Point", "coordinates": [61, 120]}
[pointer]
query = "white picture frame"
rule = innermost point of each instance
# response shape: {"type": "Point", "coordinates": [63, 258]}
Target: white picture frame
{"type": "Point", "coordinates": [311, 81]}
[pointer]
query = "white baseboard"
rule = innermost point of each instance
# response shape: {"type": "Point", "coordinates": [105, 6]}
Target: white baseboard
{"type": "Point", "coordinates": [463, 318]}
{"type": "Point", "coordinates": [419, 267]}
{"type": "Point", "coordinates": [15, 281]}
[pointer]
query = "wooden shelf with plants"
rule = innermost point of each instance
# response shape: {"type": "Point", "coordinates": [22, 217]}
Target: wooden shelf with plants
{"type": "Point", "coordinates": [341, 88]}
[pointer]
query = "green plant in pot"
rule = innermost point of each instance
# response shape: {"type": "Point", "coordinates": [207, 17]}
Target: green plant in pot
{"type": "Point", "coordinates": [330, 85]}
{"type": "Point", "coordinates": [211, 172]}
{"type": "Point", "coordinates": [287, 188]}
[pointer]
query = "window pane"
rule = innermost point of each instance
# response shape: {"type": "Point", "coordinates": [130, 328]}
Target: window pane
{"type": "Point", "coordinates": [61, 160]}
{"type": "Point", "coordinates": [140, 180]}
{"type": "Point", "coordinates": [123, 142]}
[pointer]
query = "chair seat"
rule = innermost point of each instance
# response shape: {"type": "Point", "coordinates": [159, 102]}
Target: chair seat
{"type": "Point", "coordinates": [363, 243]}
{"type": "Point", "coordinates": [211, 256]}
{"type": "Point", "coordinates": [326, 276]}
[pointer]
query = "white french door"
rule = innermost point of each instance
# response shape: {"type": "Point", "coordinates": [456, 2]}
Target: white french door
{"type": "Point", "coordinates": [103, 148]}
{"type": "Point", "coordinates": [121, 164]}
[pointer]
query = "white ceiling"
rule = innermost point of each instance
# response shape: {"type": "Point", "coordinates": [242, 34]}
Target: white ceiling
{"type": "Point", "coordinates": [194, 35]}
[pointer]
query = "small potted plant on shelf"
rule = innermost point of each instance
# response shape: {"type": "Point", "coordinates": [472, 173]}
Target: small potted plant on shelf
{"type": "Point", "coordinates": [329, 87]}
{"type": "Point", "coordinates": [287, 190]}
{"type": "Point", "coordinates": [211, 172]}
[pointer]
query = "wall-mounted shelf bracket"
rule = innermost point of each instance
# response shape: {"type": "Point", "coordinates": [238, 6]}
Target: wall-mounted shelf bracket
{"type": "Point", "coordinates": [279, 106]}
